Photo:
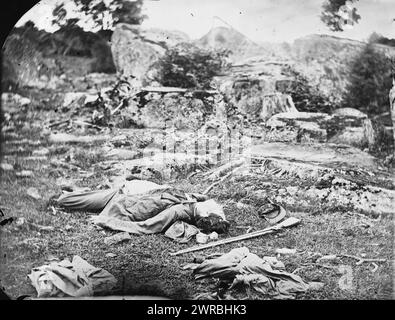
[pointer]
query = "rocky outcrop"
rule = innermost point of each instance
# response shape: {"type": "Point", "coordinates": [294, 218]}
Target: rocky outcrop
{"type": "Point", "coordinates": [21, 61]}
{"type": "Point", "coordinates": [325, 61]}
{"type": "Point", "coordinates": [135, 49]}
{"type": "Point", "coordinates": [255, 97]}
{"type": "Point", "coordinates": [171, 110]}
{"type": "Point", "coordinates": [13, 103]}
{"type": "Point", "coordinates": [338, 176]}
{"type": "Point", "coordinates": [347, 127]}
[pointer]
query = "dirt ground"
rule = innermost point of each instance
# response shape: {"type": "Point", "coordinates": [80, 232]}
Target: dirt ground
{"type": "Point", "coordinates": [143, 265]}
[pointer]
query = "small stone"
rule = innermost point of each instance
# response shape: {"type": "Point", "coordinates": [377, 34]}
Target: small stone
{"type": "Point", "coordinates": [292, 190]}
{"type": "Point", "coordinates": [119, 138]}
{"type": "Point", "coordinates": [6, 166]}
{"type": "Point", "coordinates": [315, 286]}
{"type": "Point", "coordinates": [41, 152]}
{"type": "Point", "coordinates": [20, 221]}
{"type": "Point", "coordinates": [24, 174]}
{"type": "Point", "coordinates": [52, 258]}
{"type": "Point", "coordinates": [240, 205]}
{"type": "Point", "coordinates": [213, 236]}
{"type": "Point", "coordinates": [329, 257]}
{"type": "Point", "coordinates": [111, 255]}
{"type": "Point", "coordinates": [68, 227]}
{"type": "Point", "coordinates": [285, 251]}
{"type": "Point", "coordinates": [117, 238]}
{"type": "Point", "coordinates": [202, 237]}
{"type": "Point", "coordinates": [33, 192]}
{"type": "Point", "coordinates": [282, 191]}
{"type": "Point", "coordinates": [274, 262]}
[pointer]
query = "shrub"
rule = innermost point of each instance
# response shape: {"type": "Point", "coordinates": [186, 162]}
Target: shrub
{"type": "Point", "coordinates": [370, 81]}
{"type": "Point", "coordinates": [188, 66]}
{"type": "Point", "coordinates": [103, 62]}
{"type": "Point", "coordinates": [306, 97]}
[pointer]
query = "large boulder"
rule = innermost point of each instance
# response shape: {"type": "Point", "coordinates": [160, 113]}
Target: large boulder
{"type": "Point", "coordinates": [352, 112]}
{"type": "Point", "coordinates": [325, 61]}
{"type": "Point", "coordinates": [172, 111]}
{"type": "Point", "coordinates": [343, 127]}
{"type": "Point", "coordinates": [254, 96]}
{"type": "Point", "coordinates": [21, 62]}
{"type": "Point", "coordinates": [13, 102]}
{"type": "Point", "coordinates": [135, 49]}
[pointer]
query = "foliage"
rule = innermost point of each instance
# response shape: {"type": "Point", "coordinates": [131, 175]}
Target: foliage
{"type": "Point", "coordinates": [100, 14]}
{"type": "Point", "coordinates": [339, 14]}
{"type": "Point", "coordinates": [306, 97]}
{"type": "Point", "coordinates": [378, 38]}
{"type": "Point", "coordinates": [188, 66]}
{"type": "Point", "coordinates": [370, 80]}
{"type": "Point", "coordinates": [103, 58]}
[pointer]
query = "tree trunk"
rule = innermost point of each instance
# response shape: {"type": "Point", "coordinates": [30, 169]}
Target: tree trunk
{"type": "Point", "coordinates": [392, 108]}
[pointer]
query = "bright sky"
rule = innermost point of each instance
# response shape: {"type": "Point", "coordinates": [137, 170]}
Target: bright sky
{"type": "Point", "coordinates": [260, 20]}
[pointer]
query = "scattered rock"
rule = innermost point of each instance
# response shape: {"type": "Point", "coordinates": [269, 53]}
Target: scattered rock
{"type": "Point", "coordinates": [241, 205]}
{"type": "Point", "coordinates": [274, 262]}
{"type": "Point", "coordinates": [70, 138]}
{"type": "Point", "coordinates": [352, 112]}
{"type": "Point", "coordinates": [202, 237]}
{"type": "Point", "coordinates": [330, 257]}
{"type": "Point", "coordinates": [33, 192]}
{"type": "Point", "coordinates": [43, 228]}
{"type": "Point", "coordinates": [68, 228]}
{"type": "Point", "coordinates": [20, 221]}
{"type": "Point", "coordinates": [316, 286]}
{"type": "Point", "coordinates": [13, 102]}
{"type": "Point", "coordinates": [24, 174]}
{"type": "Point", "coordinates": [41, 152]}
{"type": "Point", "coordinates": [79, 99]}
{"type": "Point", "coordinates": [122, 154]}
{"type": "Point", "coordinates": [314, 193]}
{"type": "Point", "coordinates": [292, 190]}
{"type": "Point", "coordinates": [341, 128]}
{"type": "Point", "coordinates": [213, 236]}
{"type": "Point", "coordinates": [282, 191]}
{"type": "Point", "coordinates": [117, 238]}
{"type": "Point", "coordinates": [351, 136]}
{"type": "Point", "coordinates": [52, 258]}
{"type": "Point", "coordinates": [66, 185]}
{"type": "Point", "coordinates": [111, 255]}
{"type": "Point", "coordinates": [119, 140]}
{"type": "Point", "coordinates": [6, 166]}
{"type": "Point", "coordinates": [286, 251]}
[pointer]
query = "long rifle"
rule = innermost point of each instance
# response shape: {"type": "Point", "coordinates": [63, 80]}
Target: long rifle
{"type": "Point", "coordinates": [284, 224]}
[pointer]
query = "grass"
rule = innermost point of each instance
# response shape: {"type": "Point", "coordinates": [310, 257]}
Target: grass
{"type": "Point", "coordinates": [144, 266]}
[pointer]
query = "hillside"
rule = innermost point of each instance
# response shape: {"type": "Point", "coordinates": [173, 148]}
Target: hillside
{"type": "Point", "coordinates": [324, 60]}
{"type": "Point", "coordinates": [233, 40]}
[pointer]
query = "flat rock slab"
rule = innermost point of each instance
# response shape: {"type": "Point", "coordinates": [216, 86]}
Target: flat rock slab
{"type": "Point", "coordinates": [70, 138]}
{"type": "Point", "coordinates": [352, 177]}
{"type": "Point", "coordinates": [164, 163]}
{"type": "Point", "coordinates": [328, 155]}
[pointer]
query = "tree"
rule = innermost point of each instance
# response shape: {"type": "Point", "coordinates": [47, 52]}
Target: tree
{"type": "Point", "coordinates": [188, 66]}
{"type": "Point", "coordinates": [306, 97]}
{"type": "Point", "coordinates": [333, 15]}
{"type": "Point", "coordinates": [370, 81]}
{"type": "Point", "coordinates": [339, 14]}
{"type": "Point", "coordinates": [100, 14]}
